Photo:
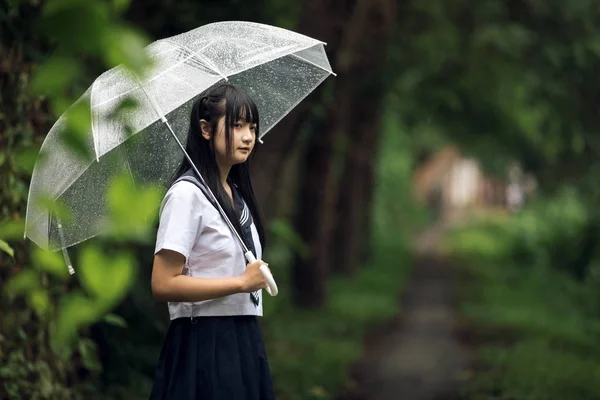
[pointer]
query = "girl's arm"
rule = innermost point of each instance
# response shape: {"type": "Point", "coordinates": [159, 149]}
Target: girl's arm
{"type": "Point", "coordinates": [169, 285]}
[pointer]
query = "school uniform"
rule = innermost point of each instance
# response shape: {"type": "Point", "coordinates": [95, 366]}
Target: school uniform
{"type": "Point", "coordinates": [214, 348]}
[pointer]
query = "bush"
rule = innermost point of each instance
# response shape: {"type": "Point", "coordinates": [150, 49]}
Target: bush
{"type": "Point", "coordinates": [538, 323]}
{"type": "Point", "coordinates": [549, 232]}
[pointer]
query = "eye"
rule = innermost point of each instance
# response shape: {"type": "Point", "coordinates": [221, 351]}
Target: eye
{"type": "Point", "coordinates": [237, 125]}
{"type": "Point", "coordinates": [253, 128]}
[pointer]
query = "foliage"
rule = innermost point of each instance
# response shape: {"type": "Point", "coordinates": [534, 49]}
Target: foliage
{"type": "Point", "coordinates": [537, 323]}
{"type": "Point", "coordinates": [395, 211]}
{"type": "Point", "coordinates": [53, 331]}
{"type": "Point", "coordinates": [506, 80]}
{"type": "Point", "coordinates": [41, 337]}
{"type": "Point", "coordinates": [536, 236]}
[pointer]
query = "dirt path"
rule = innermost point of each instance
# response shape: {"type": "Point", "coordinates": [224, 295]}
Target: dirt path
{"type": "Point", "coordinates": [418, 356]}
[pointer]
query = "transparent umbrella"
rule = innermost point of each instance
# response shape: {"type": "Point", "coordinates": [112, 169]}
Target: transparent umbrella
{"type": "Point", "coordinates": [276, 67]}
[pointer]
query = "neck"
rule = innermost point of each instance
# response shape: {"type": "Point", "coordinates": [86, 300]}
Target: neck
{"type": "Point", "coordinates": [224, 172]}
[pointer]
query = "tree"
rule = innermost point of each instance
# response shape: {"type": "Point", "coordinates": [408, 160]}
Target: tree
{"type": "Point", "coordinates": [362, 132]}
{"type": "Point", "coordinates": [316, 216]}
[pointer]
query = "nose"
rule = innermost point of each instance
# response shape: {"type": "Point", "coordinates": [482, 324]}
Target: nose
{"type": "Point", "coordinates": [247, 135]}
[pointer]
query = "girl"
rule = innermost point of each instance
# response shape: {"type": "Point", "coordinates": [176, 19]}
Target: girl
{"type": "Point", "coordinates": [214, 347]}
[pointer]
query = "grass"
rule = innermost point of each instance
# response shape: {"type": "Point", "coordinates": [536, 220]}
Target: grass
{"type": "Point", "coordinates": [534, 369]}
{"type": "Point", "coordinates": [311, 352]}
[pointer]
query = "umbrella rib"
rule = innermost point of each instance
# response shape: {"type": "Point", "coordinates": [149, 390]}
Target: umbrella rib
{"type": "Point", "coordinates": [63, 247]}
{"type": "Point", "coordinates": [113, 71]}
{"type": "Point", "coordinates": [315, 64]}
{"type": "Point", "coordinates": [92, 122]}
{"type": "Point", "coordinates": [290, 108]}
{"type": "Point", "coordinates": [150, 80]}
{"type": "Point", "coordinates": [210, 66]}
{"type": "Point", "coordinates": [197, 54]}
{"type": "Point", "coordinates": [129, 170]}
{"type": "Point", "coordinates": [239, 71]}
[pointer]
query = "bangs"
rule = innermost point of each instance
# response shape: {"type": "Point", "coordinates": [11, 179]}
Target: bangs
{"type": "Point", "coordinates": [240, 107]}
{"type": "Point", "coordinates": [246, 113]}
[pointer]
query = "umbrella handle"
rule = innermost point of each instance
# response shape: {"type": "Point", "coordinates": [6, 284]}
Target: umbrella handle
{"type": "Point", "coordinates": [272, 286]}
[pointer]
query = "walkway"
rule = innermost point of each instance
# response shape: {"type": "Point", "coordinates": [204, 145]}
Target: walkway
{"type": "Point", "coordinates": [419, 356]}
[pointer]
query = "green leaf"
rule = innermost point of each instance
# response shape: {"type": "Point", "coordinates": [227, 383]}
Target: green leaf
{"type": "Point", "coordinates": [115, 320]}
{"type": "Point", "coordinates": [55, 75]}
{"type": "Point", "coordinates": [51, 262]}
{"type": "Point", "coordinates": [55, 207]}
{"type": "Point", "coordinates": [6, 248]}
{"type": "Point", "coordinates": [75, 312]}
{"type": "Point", "coordinates": [124, 114]}
{"type": "Point", "coordinates": [26, 158]}
{"type": "Point", "coordinates": [126, 47]}
{"type": "Point", "coordinates": [76, 25]}
{"type": "Point", "coordinates": [133, 210]}
{"type": "Point", "coordinates": [89, 355]}
{"type": "Point", "coordinates": [77, 132]}
{"type": "Point", "coordinates": [12, 229]}
{"type": "Point", "coordinates": [121, 5]}
{"type": "Point", "coordinates": [39, 300]}
{"type": "Point", "coordinates": [126, 108]}
{"type": "Point", "coordinates": [25, 281]}
{"type": "Point", "coordinates": [107, 278]}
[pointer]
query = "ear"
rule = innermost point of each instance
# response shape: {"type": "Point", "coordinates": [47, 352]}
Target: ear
{"type": "Point", "coordinates": [205, 128]}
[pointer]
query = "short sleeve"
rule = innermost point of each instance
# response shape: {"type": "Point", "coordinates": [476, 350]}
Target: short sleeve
{"type": "Point", "coordinates": [180, 219]}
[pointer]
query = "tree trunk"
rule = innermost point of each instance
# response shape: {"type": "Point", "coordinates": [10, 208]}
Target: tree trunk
{"type": "Point", "coordinates": [271, 158]}
{"type": "Point", "coordinates": [354, 204]}
{"type": "Point", "coordinates": [355, 195]}
{"type": "Point", "coordinates": [315, 220]}
{"type": "Point", "coordinates": [322, 20]}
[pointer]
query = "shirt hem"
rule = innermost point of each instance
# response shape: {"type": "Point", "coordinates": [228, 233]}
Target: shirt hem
{"type": "Point", "coordinates": [229, 310]}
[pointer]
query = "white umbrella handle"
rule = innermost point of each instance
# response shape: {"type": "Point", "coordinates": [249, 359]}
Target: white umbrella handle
{"type": "Point", "coordinates": [272, 286]}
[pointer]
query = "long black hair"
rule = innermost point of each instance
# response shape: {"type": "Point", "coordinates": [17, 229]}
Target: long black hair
{"type": "Point", "coordinates": [223, 99]}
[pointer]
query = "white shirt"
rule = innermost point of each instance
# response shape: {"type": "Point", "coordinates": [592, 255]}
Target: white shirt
{"type": "Point", "coordinates": [192, 226]}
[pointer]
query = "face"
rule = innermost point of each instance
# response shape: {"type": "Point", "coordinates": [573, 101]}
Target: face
{"type": "Point", "coordinates": [243, 137]}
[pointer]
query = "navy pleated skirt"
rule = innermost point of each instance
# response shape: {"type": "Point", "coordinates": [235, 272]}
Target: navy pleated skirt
{"type": "Point", "coordinates": [213, 358]}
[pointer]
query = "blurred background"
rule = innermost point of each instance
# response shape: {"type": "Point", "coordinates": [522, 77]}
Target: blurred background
{"type": "Point", "coordinates": [432, 210]}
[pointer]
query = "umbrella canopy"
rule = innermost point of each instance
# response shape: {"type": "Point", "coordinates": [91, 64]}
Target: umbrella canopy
{"type": "Point", "coordinates": [276, 67]}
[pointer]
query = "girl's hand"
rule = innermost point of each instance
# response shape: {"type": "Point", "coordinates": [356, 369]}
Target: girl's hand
{"type": "Point", "coordinates": [253, 279]}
